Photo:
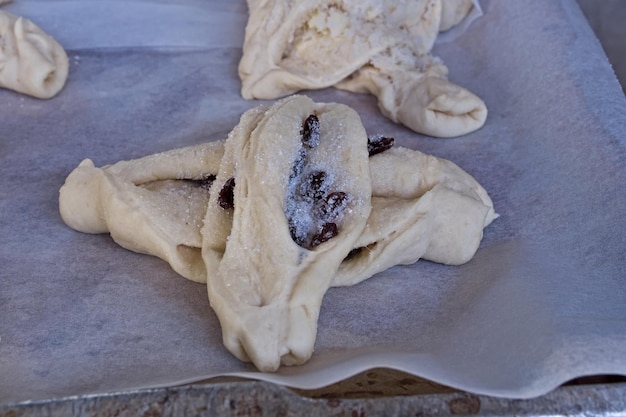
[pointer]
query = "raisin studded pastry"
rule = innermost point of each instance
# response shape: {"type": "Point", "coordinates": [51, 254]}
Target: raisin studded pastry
{"type": "Point", "coordinates": [372, 46]}
{"type": "Point", "coordinates": [294, 190]}
{"type": "Point", "coordinates": [296, 200]}
{"type": "Point", "coordinates": [151, 205]}
{"type": "Point", "coordinates": [31, 62]}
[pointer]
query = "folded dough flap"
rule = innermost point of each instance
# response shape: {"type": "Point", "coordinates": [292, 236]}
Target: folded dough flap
{"type": "Point", "coordinates": [422, 208]}
{"type": "Point", "coordinates": [149, 205]}
{"type": "Point", "coordinates": [409, 174]}
{"type": "Point", "coordinates": [272, 261]}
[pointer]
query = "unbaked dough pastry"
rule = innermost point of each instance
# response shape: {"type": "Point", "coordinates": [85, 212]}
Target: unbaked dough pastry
{"type": "Point", "coordinates": [423, 207]}
{"type": "Point", "coordinates": [31, 62]}
{"type": "Point", "coordinates": [294, 190]}
{"type": "Point", "coordinates": [153, 205]}
{"type": "Point", "coordinates": [377, 47]}
{"type": "Point", "coordinates": [296, 200]}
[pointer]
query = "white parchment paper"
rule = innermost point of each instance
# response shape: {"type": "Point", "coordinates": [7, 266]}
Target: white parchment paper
{"type": "Point", "coordinates": [543, 301]}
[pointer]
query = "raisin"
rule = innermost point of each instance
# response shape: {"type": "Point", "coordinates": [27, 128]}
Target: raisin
{"type": "Point", "coordinates": [329, 231]}
{"type": "Point", "coordinates": [312, 186]}
{"type": "Point", "coordinates": [311, 131]}
{"type": "Point", "coordinates": [378, 143]}
{"type": "Point", "coordinates": [226, 198]}
{"type": "Point", "coordinates": [298, 166]}
{"type": "Point", "coordinates": [333, 204]}
{"type": "Point", "coordinates": [206, 182]}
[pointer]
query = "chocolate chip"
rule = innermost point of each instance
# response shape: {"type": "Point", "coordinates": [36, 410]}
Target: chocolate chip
{"type": "Point", "coordinates": [329, 231]}
{"type": "Point", "coordinates": [226, 198]}
{"type": "Point", "coordinates": [379, 143]}
{"type": "Point", "coordinates": [311, 131]}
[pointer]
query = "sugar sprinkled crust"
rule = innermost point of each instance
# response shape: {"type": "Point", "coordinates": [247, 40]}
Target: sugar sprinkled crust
{"type": "Point", "coordinates": [268, 300]}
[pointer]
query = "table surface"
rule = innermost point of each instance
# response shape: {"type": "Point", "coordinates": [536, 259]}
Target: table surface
{"type": "Point", "coordinates": [375, 392]}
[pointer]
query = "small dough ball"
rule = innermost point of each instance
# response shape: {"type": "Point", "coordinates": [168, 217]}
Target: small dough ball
{"type": "Point", "coordinates": [31, 62]}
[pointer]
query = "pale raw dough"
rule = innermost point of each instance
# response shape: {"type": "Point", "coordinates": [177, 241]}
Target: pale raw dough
{"type": "Point", "coordinates": [266, 289]}
{"type": "Point", "coordinates": [31, 62]}
{"type": "Point", "coordinates": [423, 100]}
{"type": "Point", "coordinates": [422, 208]}
{"type": "Point", "coordinates": [453, 11]}
{"type": "Point", "coordinates": [377, 47]}
{"type": "Point", "coordinates": [150, 205]}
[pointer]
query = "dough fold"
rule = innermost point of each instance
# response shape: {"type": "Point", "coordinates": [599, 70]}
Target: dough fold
{"type": "Point", "coordinates": [31, 62]}
{"type": "Point", "coordinates": [422, 208]}
{"type": "Point", "coordinates": [152, 205]}
{"type": "Point", "coordinates": [424, 101]}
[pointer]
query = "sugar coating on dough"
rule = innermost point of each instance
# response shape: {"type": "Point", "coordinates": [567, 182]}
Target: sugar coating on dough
{"type": "Point", "coordinates": [31, 62]}
{"type": "Point", "coordinates": [377, 47]}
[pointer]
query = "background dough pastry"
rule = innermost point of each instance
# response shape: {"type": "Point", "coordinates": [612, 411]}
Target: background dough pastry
{"type": "Point", "coordinates": [31, 62]}
{"type": "Point", "coordinates": [377, 47]}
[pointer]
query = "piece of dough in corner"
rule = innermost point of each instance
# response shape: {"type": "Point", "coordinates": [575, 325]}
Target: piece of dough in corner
{"type": "Point", "coordinates": [31, 62]}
